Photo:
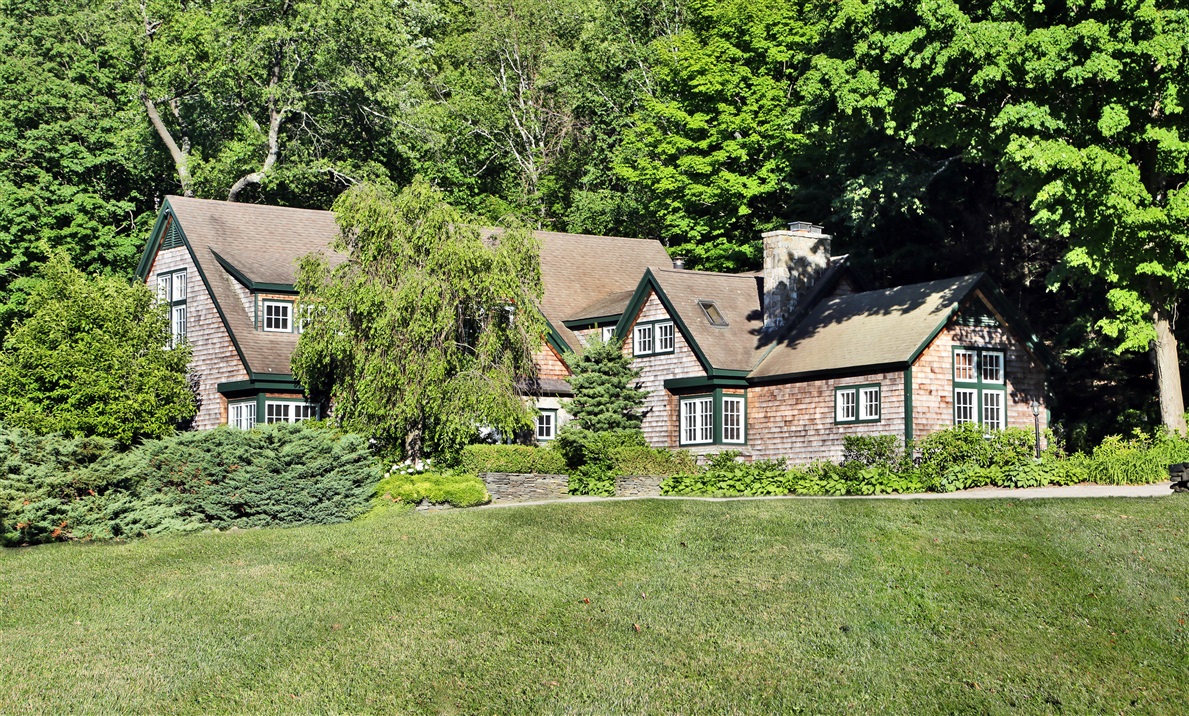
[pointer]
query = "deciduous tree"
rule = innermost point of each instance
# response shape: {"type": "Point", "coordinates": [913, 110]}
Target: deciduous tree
{"type": "Point", "coordinates": [93, 358]}
{"type": "Point", "coordinates": [421, 333]}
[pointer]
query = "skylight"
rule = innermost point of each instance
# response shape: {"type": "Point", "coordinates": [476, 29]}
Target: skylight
{"type": "Point", "coordinates": [710, 308]}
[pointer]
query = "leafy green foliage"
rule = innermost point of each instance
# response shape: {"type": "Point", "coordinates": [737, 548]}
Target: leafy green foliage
{"type": "Point", "coordinates": [605, 398]}
{"type": "Point", "coordinates": [525, 459]}
{"type": "Point", "coordinates": [636, 460]}
{"type": "Point", "coordinates": [716, 144]}
{"type": "Point", "coordinates": [421, 334]}
{"type": "Point", "coordinates": [456, 489]}
{"type": "Point", "coordinates": [54, 488]}
{"type": "Point", "coordinates": [590, 456]}
{"type": "Point", "coordinates": [92, 358]}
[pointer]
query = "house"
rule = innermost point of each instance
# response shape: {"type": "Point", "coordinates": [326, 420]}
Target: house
{"type": "Point", "coordinates": [784, 362]}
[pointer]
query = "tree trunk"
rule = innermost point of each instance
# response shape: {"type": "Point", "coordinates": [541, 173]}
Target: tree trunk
{"type": "Point", "coordinates": [1168, 371]}
{"type": "Point", "coordinates": [181, 161]}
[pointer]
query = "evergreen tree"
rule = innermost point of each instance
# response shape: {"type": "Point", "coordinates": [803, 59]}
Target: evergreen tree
{"type": "Point", "coordinates": [604, 395]}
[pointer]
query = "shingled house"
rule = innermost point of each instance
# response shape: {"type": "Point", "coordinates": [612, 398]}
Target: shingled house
{"type": "Point", "coordinates": [779, 363]}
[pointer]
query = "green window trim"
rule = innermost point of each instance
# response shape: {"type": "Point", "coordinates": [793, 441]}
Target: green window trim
{"type": "Point", "coordinates": [980, 387]}
{"type": "Point", "coordinates": [655, 325]}
{"type": "Point", "coordinates": [289, 317]}
{"type": "Point", "coordinates": [551, 413]}
{"type": "Point", "coordinates": [716, 397]}
{"type": "Point", "coordinates": [857, 390]}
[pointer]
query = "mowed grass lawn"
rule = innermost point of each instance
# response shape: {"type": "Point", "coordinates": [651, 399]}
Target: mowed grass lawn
{"type": "Point", "coordinates": [814, 606]}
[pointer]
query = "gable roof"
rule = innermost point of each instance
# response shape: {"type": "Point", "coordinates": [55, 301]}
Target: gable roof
{"type": "Point", "coordinates": [578, 270]}
{"type": "Point", "coordinates": [259, 246]}
{"type": "Point", "coordinates": [884, 328]}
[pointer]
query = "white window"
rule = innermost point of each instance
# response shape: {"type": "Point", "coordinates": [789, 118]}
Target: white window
{"type": "Point", "coordinates": [664, 338]}
{"type": "Point", "coordinates": [993, 409]}
{"type": "Point", "coordinates": [242, 415]}
{"type": "Point", "coordinates": [278, 413]}
{"type": "Point", "coordinates": [733, 420]}
{"type": "Point", "coordinates": [305, 314]}
{"type": "Point", "coordinates": [177, 324]}
{"type": "Point", "coordinates": [171, 287]}
{"type": "Point", "coordinates": [163, 287]}
{"type": "Point", "coordinates": [276, 316]}
{"type": "Point", "coordinates": [608, 333]}
{"type": "Point", "coordinates": [992, 367]}
{"type": "Point", "coordinates": [845, 409]}
{"type": "Point", "coordinates": [964, 405]}
{"type": "Point", "coordinates": [964, 366]}
{"type": "Point", "coordinates": [869, 403]}
{"type": "Point", "coordinates": [642, 344]}
{"type": "Point", "coordinates": [546, 424]}
{"type": "Point", "coordinates": [288, 412]}
{"type": "Point", "coordinates": [697, 421]}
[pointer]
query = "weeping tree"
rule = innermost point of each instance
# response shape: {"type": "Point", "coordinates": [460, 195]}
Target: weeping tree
{"type": "Point", "coordinates": [420, 333]}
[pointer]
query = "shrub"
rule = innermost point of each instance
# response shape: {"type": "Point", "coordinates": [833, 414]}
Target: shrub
{"type": "Point", "coordinates": [595, 479]}
{"type": "Point", "coordinates": [590, 457]}
{"type": "Point", "coordinates": [637, 460]}
{"type": "Point", "coordinates": [477, 459]}
{"type": "Point", "coordinates": [870, 450]}
{"type": "Point", "coordinates": [1139, 461]}
{"type": "Point", "coordinates": [438, 487]}
{"type": "Point", "coordinates": [274, 475]}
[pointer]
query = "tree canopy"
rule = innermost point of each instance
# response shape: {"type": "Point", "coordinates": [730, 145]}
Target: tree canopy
{"type": "Point", "coordinates": [420, 336]}
{"type": "Point", "coordinates": [93, 358]}
{"type": "Point", "coordinates": [606, 395]}
{"type": "Point", "coordinates": [1043, 144]}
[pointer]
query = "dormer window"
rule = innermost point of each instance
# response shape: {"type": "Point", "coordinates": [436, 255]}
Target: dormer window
{"type": "Point", "coordinates": [710, 309]}
{"type": "Point", "coordinates": [278, 316]}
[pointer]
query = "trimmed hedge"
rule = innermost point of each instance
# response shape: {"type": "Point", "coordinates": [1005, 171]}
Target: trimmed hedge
{"type": "Point", "coordinates": [477, 459]}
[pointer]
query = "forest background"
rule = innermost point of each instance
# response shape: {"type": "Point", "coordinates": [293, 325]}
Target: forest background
{"type": "Point", "coordinates": [932, 139]}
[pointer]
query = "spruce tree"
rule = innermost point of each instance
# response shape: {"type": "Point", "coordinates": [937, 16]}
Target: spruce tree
{"type": "Point", "coordinates": [605, 394]}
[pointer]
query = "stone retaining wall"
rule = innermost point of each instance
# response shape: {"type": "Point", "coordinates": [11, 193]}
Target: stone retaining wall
{"type": "Point", "coordinates": [519, 487]}
{"type": "Point", "coordinates": [638, 486]}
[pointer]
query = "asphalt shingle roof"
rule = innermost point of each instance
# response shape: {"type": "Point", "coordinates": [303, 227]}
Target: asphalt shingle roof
{"type": "Point", "coordinates": [866, 329]}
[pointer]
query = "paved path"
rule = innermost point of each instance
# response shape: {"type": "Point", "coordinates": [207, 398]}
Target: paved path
{"type": "Point", "coordinates": [1160, 489]}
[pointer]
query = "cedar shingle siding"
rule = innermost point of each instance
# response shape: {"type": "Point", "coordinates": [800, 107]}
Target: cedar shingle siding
{"type": "Point", "coordinates": [828, 333]}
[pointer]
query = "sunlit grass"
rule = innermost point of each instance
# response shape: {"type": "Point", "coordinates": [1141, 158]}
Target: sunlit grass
{"type": "Point", "coordinates": [632, 607]}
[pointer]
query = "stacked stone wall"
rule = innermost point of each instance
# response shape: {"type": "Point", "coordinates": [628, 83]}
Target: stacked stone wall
{"type": "Point", "coordinates": [520, 487]}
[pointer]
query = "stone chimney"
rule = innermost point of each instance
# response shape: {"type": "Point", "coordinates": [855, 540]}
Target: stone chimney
{"type": "Point", "coordinates": [793, 261]}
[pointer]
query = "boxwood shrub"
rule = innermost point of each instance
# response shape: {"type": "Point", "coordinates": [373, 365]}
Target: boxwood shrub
{"type": "Point", "coordinates": [476, 459]}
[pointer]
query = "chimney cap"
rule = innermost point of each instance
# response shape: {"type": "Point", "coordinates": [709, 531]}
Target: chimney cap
{"type": "Point", "coordinates": [679, 262]}
{"type": "Point", "coordinates": [805, 227]}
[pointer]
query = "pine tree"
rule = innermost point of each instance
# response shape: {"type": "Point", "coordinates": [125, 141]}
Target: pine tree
{"type": "Point", "coordinates": [604, 395]}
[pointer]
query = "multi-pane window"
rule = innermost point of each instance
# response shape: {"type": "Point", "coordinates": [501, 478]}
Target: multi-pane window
{"type": "Point", "coordinates": [964, 405]}
{"type": "Point", "coordinates": [979, 395]}
{"type": "Point", "coordinates": [964, 362]}
{"type": "Point", "coordinates": [697, 421]}
{"type": "Point", "coordinates": [732, 420]}
{"type": "Point", "coordinates": [277, 316]}
{"type": "Point", "coordinates": [653, 338]}
{"type": "Point", "coordinates": [546, 424]}
{"type": "Point", "coordinates": [242, 414]}
{"type": "Point", "coordinates": [993, 409]}
{"type": "Point", "coordinates": [857, 404]}
{"type": "Point", "coordinates": [288, 412]}
{"type": "Point", "coordinates": [608, 333]}
{"type": "Point", "coordinates": [869, 403]}
{"type": "Point", "coordinates": [643, 340]}
{"type": "Point", "coordinates": [664, 338]}
{"type": "Point", "coordinates": [171, 291]}
{"type": "Point", "coordinates": [845, 408]}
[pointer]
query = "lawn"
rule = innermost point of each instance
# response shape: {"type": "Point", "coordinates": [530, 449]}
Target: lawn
{"type": "Point", "coordinates": [813, 606]}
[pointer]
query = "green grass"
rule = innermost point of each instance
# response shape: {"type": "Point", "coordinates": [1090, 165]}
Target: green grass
{"type": "Point", "coordinates": [989, 607]}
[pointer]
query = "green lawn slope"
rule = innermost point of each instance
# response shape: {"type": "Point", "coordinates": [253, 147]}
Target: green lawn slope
{"type": "Point", "coordinates": [930, 607]}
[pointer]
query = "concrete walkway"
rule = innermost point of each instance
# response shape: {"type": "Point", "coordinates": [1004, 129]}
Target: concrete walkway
{"type": "Point", "coordinates": [1160, 489]}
